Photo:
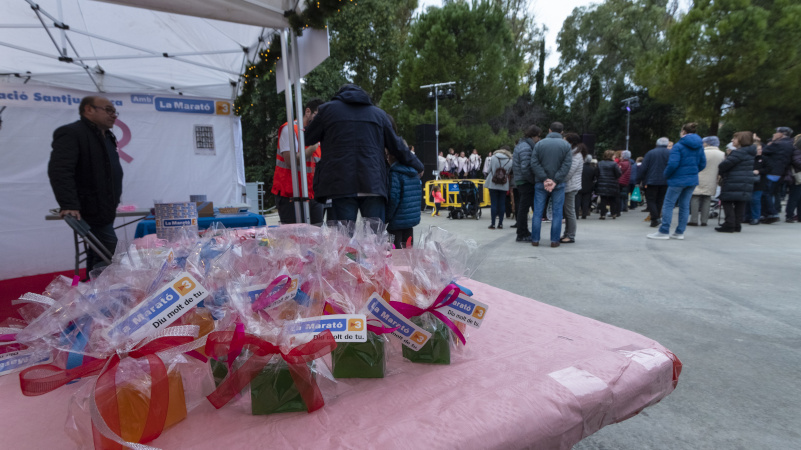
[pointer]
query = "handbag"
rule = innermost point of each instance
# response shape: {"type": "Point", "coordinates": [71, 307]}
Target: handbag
{"type": "Point", "coordinates": [636, 196]}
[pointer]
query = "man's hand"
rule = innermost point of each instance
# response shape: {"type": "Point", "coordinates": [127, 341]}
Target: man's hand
{"type": "Point", "coordinates": [549, 185]}
{"type": "Point", "coordinates": [70, 212]}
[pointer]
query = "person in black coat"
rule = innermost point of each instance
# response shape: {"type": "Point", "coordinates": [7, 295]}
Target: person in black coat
{"type": "Point", "coordinates": [737, 171]}
{"type": "Point", "coordinates": [607, 173]}
{"type": "Point", "coordinates": [352, 171]}
{"type": "Point", "coordinates": [588, 179]}
{"type": "Point", "coordinates": [777, 155]}
{"type": "Point", "coordinates": [85, 172]}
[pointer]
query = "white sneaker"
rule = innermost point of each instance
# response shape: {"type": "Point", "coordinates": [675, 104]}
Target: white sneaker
{"type": "Point", "coordinates": [659, 235]}
{"type": "Point", "coordinates": [677, 236]}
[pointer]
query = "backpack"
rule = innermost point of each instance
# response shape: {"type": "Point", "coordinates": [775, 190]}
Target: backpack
{"type": "Point", "coordinates": [500, 176]}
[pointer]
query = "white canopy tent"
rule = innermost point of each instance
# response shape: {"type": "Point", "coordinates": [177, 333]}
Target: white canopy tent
{"type": "Point", "coordinates": [92, 46]}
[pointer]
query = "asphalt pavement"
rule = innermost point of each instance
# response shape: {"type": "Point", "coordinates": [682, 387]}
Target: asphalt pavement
{"type": "Point", "coordinates": [728, 305]}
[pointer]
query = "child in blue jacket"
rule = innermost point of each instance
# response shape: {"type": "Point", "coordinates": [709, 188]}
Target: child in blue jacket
{"type": "Point", "coordinates": [405, 200]}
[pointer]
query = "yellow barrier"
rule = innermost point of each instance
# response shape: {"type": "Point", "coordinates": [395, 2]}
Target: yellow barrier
{"type": "Point", "coordinates": [450, 189]}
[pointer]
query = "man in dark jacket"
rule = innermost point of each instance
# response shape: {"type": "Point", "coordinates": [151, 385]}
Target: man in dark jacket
{"type": "Point", "coordinates": [521, 163]}
{"type": "Point", "coordinates": [353, 171]}
{"type": "Point", "coordinates": [550, 163]}
{"type": "Point", "coordinates": [651, 174]}
{"type": "Point", "coordinates": [85, 172]}
{"type": "Point", "coordinates": [777, 155]}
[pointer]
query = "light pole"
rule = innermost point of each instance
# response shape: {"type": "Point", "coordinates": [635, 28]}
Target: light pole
{"type": "Point", "coordinates": [436, 96]}
{"type": "Point", "coordinates": [631, 102]}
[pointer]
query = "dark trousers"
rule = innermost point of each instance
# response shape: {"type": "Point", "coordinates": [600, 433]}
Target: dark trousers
{"type": "Point", "coordinates": [286, 211]}
{"type": "Point", "coordinates": [497, 205]}
{"type": "Point", "coordinates": [655, 196]}
{"type": "Point", "coordinates": [613, 202]}
{"type": "Point", "coordinates": [583, 202]}
{"type": "Point", "coordinates": [624, 197]}
{"type": "Point", "coordinates": [347, 208]}
{"type": "Point", "coordinates": [106, 235]}
{"type": "Point", "coordinates": [402, 236]}
{"type": "Point", "coordinates": [734, 213]}
{"type": "Point", "coordinates": [793, 202]}
{"type": "Point", "coordinates": [523, 206]}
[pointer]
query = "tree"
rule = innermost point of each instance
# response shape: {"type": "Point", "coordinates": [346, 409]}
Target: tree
{"type": "Point", "coordinates": [607, 39]}
{"type": "Point", "coordinates": [731, 55]}
{"type": "Point", "coordinates": [469, 44]}
{"type": "Point", "coordinates": [365, 40]}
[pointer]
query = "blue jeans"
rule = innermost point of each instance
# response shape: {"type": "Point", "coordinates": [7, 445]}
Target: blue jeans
{"type": "Point", "coordinates": [676, 196]}
{"type": "Point", "coordinates": [756, 205]}
{"type": "Point", "coordinates": [769, 196]}
{"type": "Point", "coordinates": [540, 201]}
{"type": "Point", "coordinates": [497, 205]}
{"type": "Point", "coordinates": [346, 208]}
{"type": "Point", "coordinates": [108, 237]}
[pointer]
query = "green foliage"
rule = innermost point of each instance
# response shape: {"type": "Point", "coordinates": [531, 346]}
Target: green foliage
{"type": "Point", "coordinates": [736, 56]}
{"type": "Point", "coordinates": [608, 39]}
{"type": "Point", "coordinates": [366, 39]}
{"type": "Point", "coordinates": [473, 46]}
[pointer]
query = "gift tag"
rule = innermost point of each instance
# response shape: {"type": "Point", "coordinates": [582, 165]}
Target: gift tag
{"type": "Point", "coordinates": [15, 361]}
{"type": "Point", "coordinates": [409, 334]}
{"type": "Point", "coordinates": [344, 327]}
{"type": "Point", "coordinates": [466, 310]}
{"type": "Point", "coordinates": [161, 309]}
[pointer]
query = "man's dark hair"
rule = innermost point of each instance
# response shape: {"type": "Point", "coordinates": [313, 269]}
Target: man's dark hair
{"type": "Point", "coordinates": [690, 127]}
{"type": "Point", "coordinates": [532, 131]}
{"type": "Point", "coordinates": [88, 100]}
{"type": "Point", "coordinates": [557, 127]}
{"type": "Point", "coordinates": [505, 147]}
{"type": "Point", "coordinates": [313, 104]}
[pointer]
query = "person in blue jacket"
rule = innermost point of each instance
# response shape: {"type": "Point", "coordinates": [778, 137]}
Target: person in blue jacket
{"type": "Point", "coordinates": [405, 198]}
{"type": "Point", "coordinates": [686, 160]}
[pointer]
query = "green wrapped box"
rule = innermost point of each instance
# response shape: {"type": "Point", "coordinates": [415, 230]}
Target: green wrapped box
{"type": "Point", "coordinates": [272, 391]}
{"type": "Point", "coordinates": [438, 349]}
{"type": "Point", "coordinates": [360, 359]}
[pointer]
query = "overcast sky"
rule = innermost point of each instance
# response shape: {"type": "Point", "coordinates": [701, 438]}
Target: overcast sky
{"type": "Point", "coordinates": [550, 13]}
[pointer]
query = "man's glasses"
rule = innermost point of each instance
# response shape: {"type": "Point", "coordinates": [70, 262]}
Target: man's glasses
{"type": "Point", "coordinates": [108, 109]}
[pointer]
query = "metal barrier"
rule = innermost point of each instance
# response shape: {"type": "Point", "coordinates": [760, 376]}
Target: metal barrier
{"type": "Point", "coordinates": [450, 189]}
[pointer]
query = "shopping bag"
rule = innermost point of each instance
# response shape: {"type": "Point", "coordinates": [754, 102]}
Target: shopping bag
{"type": "Point", "coordinates": [636, 196]}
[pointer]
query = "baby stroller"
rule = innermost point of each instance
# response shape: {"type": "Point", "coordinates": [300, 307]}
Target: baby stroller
{"type": "Point", "coordinates": [468, 202]}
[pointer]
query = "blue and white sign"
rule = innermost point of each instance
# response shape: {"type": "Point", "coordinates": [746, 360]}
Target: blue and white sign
{"type": "Point", "coordinates": [410, 334]}
{"type": "Point", "coordinates": [184, 105]}
{"type": "Point", "coordinates": [160, 309]}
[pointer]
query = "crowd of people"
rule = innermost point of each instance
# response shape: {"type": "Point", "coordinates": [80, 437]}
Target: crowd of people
{"type": "Point", "coordinates": [746, 181]}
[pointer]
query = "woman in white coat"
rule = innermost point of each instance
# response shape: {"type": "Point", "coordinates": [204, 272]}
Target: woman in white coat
{"type": "Point", "coordinates": [578, 153]}
{"type": "Point", "coordinates": [707, 182]}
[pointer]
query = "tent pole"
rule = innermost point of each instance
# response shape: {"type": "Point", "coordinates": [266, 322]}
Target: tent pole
{"type": "Point", "coordinates": [301, 111]}
{"type": "Point", "coordinates": [290, 124]}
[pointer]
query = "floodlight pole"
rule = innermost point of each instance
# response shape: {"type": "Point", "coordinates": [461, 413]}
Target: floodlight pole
{"type": "Point", "coordinates": [436, 87]}
{"type": "Point", "coordinates": [628, 103]}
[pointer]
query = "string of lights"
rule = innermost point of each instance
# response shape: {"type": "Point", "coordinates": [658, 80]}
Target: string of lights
{"type": "Point", "coordinates": [314, 16]}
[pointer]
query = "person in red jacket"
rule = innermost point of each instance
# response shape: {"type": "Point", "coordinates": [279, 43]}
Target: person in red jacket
{"type": "Point", "coordinates": [623, 181]}
{"type": "Point", "coordinates": [282, 178]}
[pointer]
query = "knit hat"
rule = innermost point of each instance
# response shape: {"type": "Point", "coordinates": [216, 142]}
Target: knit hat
{"type": "Point", "coordinates": [712, 141]}
{"type": "Point", "coordinates": [787, 131]}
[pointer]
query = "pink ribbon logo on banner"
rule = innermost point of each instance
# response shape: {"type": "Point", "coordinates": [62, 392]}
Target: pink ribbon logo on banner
{"type": "Point", "coordinates": [124, 140]}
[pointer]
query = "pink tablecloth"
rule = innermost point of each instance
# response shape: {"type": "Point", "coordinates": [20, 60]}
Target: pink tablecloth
{"type": "Point", "coordinates": [533, 376]}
